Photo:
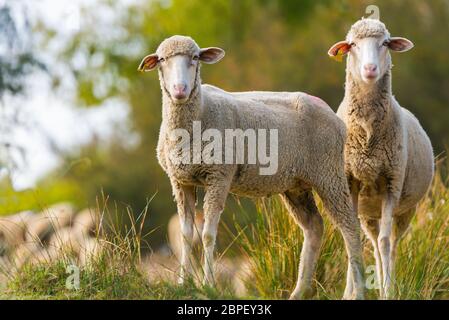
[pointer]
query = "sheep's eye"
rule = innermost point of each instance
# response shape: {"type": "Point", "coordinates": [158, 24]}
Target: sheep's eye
{"type": "Point", "coordinates": [352, 44]}
{"type": "Point", "coordinates": [195, 58]}
{"type": "Point", "coordinates": [386, 43]}
{"type": "Point", "coordinates": [161, 59]}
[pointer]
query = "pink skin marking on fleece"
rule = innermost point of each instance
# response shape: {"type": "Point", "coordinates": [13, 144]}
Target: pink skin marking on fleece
{"type": "Point", "coordinates": [318, 101]}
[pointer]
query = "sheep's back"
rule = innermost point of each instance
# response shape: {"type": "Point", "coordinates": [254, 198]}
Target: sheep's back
{"type": "Point", "coordinates": [310, 136]}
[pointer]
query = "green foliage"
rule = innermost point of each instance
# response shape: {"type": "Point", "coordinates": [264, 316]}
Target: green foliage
{"type": "Point", "coordinates": [106, 277]}
{"type": "Point", "coordinates": [44, 195]}
{"type": "Point", "coordinates": [100, 281]}
{"type": "Point", "coordinates": [15, 63]}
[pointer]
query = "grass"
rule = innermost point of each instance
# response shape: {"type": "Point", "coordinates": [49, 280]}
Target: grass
{"type": "Point", "coordinates": [272, 243]}
{"type": "Point", "coordinates": [103, 278]}
{"type": "Point", "coordinates": [112, 273]}
{"type": "Point", "coordinates": [115, 272]}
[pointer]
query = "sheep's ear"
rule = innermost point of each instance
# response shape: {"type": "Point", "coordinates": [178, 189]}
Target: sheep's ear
{"type": "Point", "coordinates": [338, 50]}
{"type": "Point", "coordinates": [211, 55]}
{"type": "Point", "coordinates": [149, 63]}
{"type": "Point", "coordinates": [400, 44]}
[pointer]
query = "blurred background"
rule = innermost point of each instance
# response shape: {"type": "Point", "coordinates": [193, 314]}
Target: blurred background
{"type": "Point", "coordinates": [78, 123]}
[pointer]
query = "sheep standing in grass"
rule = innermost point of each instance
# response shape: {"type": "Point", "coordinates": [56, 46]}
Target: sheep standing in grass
{"type": "Point", "coordinates": [389, 158]}
{"type": "Point", "coordinates": [310, 152]}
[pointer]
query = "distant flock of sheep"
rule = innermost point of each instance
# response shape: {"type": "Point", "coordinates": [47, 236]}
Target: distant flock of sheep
{"type": "Point", "coordinates": [370, 163]}
{"type": "Point", "coordinates": [57, 232]}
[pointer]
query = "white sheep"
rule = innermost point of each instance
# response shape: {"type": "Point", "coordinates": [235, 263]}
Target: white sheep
{"type": "Point", "coordinates": [67, 239]}
{"type": "Point", "coordinates": [389, 158]}
{"type": "Point", "coordinates": [12, 230]}
{"type": "Point", "coordinates": [45, 223]}
{"type": "Point", "coordinates": [24, 253]}
{"type": "Point", "coordinates": [310, 152]}
{"type": "Point", "coordinates": [88, 221]}
{"type": "Point", "coordinates": [90, 249]}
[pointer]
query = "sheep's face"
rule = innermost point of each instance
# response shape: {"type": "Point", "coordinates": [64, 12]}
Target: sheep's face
{"type": "Point", "coordinates": [368, 58]}
{"type": "Point", "coordinates": [367, 45]}
{"type": "Point", "coordinates": [179, 73]}
{"type": "Point", "coordinates": [178, 61]}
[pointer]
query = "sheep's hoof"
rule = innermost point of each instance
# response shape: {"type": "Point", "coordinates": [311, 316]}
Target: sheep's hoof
{"type": "Point", "coordinates": [354, 296]}
{"type": "Point", "coordinates": [301, 294]}
{"type": "Point", "coordinates": [294, 297]}
{"type": "Point", "coordinates": [348, 295]}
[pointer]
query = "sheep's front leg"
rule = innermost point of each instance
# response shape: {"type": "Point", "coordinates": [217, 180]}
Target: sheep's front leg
{"type": "Point", "coordinates": [400, 226]}
{"type": "Point", "coordinates": [214, 202]}
{"type": "Point", "coordinates": [384, 243]}
{"type": "Point", "coordinates": [371, 229]}
{"type": "Point", "coordinates": [185, 200]}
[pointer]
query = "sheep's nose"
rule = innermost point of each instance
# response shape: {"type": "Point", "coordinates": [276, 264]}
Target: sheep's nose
{"type": "Point", "coordinates": [180, 87]}
{"type": "Point", "coordinates": [370, 67]}
{"type": "Point", "coordinates": [180, 91]}
{"type": "Point", "coordinates": [370, 71]}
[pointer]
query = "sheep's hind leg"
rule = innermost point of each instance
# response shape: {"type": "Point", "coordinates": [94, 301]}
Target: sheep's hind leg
{"type": "Point", "coordinates": [214, 202]}
{"type": "Point", "coordinates": [185, 199]}
{"type": "Point", "coordinates": [301, 206]}
{"type": "Point", "coordinates": [337, 201]}
{"type": "Point", "coordinates": [349, 289]}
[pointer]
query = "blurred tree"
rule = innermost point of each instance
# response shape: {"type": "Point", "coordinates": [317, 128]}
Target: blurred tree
{"type": "Point", "coordinates": [17, 61]}
{"type": "Point", "coordinates": [16, 58]}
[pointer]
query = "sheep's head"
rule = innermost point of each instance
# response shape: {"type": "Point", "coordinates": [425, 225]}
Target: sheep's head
{"type": "Point", "coordinates": [367, 44]}
{"type": "Point", "coordinates": [178, 60]}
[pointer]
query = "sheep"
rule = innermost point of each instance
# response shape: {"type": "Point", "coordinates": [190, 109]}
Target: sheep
{"type": "Point", "coordinates": [67, 238]}
{"type": "Point", "coordinates": [310, 147]}
{"type": "Point", "coordinates": [235, 272]}
{"type": "Point", "coordinates": [87, 221]}
{"type": "Point", "coordinates": [25, 252]}
{"type": "Point", "coordinates": [389, 157]}
{"type": "Point", "coordinates": [79, 238]}
{"type": "Point", "coordinates": [159, 266]}
{"type": "Point", "coordinates": [29, 238]}
{"type": "Point", "coordinates": [12, 230]}
{"type": "Point", "coordinates": [44, 224]}
{"type": "Point", "coordinates": [90, 248]}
